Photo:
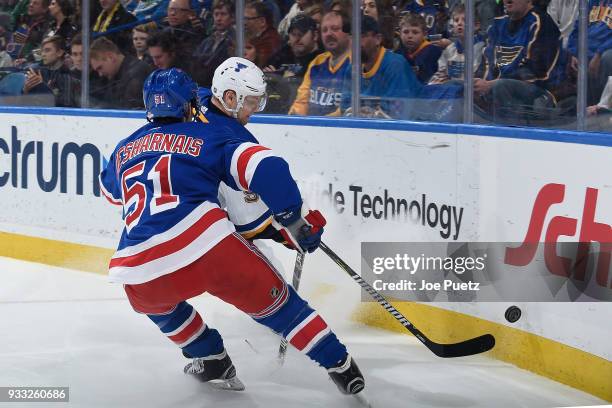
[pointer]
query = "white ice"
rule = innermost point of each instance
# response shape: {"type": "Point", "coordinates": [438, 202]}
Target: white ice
{"type": "Point", "coordinates": [68, 328]}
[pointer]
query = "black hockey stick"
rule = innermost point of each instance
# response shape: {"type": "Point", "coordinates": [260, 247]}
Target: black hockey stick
{"type": "Point", "coordinates": [469, 347]}
{"type": "Point", "coordinates": [297, 274]}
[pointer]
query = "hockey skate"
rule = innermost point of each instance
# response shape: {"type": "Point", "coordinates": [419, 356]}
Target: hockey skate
{"type": "Point", "coordinates": [217, 370]}
{"type": "Point", "coordinates": [347, 376]}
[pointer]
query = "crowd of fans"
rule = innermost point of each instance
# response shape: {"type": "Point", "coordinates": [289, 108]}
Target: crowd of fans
{"type": "Point", "coordinates": [412, 51]}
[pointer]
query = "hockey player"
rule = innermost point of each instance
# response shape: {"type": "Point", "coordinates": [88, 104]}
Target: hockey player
{"type": "Point", "coordinates": [245, 209]}
{"type": "Point", "coordinates": [177, 243]}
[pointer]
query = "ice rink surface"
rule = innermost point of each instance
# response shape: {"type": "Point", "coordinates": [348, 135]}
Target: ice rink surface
{"type": "Point", "coordinates": [68, 328]}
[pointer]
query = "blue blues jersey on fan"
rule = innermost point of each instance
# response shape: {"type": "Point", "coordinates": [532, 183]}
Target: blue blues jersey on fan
{"type": "Point", "coordinates": [390, 83]}
{"type": "Point", "coordinates": [528, 49]}
{"type": "Point", "coordinates": [599, 32]}
{"type": "Point", "coordinates": [155, 169]}
{"type": "Point", "coordinates": [320, 93]}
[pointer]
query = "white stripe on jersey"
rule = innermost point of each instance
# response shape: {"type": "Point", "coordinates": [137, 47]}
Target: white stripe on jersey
{"type": "Point", "coordinates": [176, 260]}
{"type": "Point", "coordinates": [172, 233]}
{"type": "Point", "coordinates": [251, 166]}
{"type": "Point", "coordinates": [254, 162]}
{"type": "Point", "coordinates": [107, 193]}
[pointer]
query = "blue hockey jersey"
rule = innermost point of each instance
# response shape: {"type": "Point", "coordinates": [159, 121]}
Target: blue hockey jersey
{"type": "Point", "coordinates": [528, 49]}
{"type": "Point", "coordinates": [423, 60]}
{"type": "Point", "coordinates": [390, 83]}
{"type": "Point", "coordinates": [167, 178]}
{"type": "Point", "coordinates": [320, 93]}
{"type": "Point", "coordinates": [599, 32]}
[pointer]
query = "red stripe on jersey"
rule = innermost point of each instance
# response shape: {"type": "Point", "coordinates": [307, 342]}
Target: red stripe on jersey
{"type": "Point", "coordinates": [243, 161]}
{"type": "Point", "coordinates": [189, 330]}
{"type": "Point", "coordinates": [173, 245]}
{"type": "Point", "coordinates": [308, 332]}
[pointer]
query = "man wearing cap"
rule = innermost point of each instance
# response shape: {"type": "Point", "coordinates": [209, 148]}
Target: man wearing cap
{"type": "Point", "coordinates": [287, 68]}
{"type": "Point", "coordinates": [321, 90]}
{"type": "Point", "coordinates": [302, 47]}
{"type": "Point", "coordinates": [386, 80]}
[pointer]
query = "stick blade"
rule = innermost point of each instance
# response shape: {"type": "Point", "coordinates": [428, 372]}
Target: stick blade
{"type": "Point", "coordinates": [465, 348]}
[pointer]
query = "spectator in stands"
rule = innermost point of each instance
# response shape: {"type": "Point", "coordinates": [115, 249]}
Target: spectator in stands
{"type": "Point", "coordinates": [5, 38]}
{"type": "Point", "coordinates": [451, 64]}
{"type": "Point", "coordinates": [52, 75]}
{"type": "Point", "coordinates": [113, 15]}
{"type": "Point", "coordinates": [124, 75]}
{"type": "Point", "coordinates": [522, 68]}
{"type": "Point", "coordinates": [434, 12]}
{"type": "Point", "coordinates": [321, 91]}
{"type": "Point", "coordinates": [485, 10]}
{"type": "Point", "coordinates": [184, 24]}
{"type": "Point", "coordinates": [61, 10]}
{"type": "Point", "coordinates": [298, 7]}
{"type": "Point", "coordinates": [258, 24]}
{"type": "Point", "coordinates": [250, 51]}
{"type": "Point", "coordinates": [162, 48]}
{"type": "Point", "coordinates": [140, 35]}
{"type": "Point", "coordinates": [382, 12]}
{"type": "Point", "coordinates": [218, 46]}
{"type": "Point", "coordinates": [421, 54]}
{"type": "Point", "coordinates": [30, 32]}
{"type": "Point", "coordinates": [302, 47]}
{"type": "Point", "coordinates": [386, 77]}
{"type": "Point", "coordinates": [95, 82]}
{"type": "Point", "coordinates": [564, 13]}
{"type": "Point", "coordinates": [288, 67]}
{"type": "Point", "coordinates": [76, 56]}
{"type": "Point", "coordinates": [599, 53]}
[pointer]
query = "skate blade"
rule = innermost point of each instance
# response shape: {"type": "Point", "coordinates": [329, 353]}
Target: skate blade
{"type": "Point", "coordinates": [361, 398]}
{"type": "Point", "coordinates": [232, 384]}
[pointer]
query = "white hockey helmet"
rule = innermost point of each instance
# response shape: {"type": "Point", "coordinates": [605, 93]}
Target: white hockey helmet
{"type": "Point", "coordinates": [244, 78]}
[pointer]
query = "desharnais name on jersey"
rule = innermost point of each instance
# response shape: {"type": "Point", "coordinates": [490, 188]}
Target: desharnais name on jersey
{"type": "Point", "coordinates": [166, 177]}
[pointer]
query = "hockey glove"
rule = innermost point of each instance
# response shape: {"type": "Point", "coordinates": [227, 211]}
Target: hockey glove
{"type": "Point", "coordinates": [301, 227]}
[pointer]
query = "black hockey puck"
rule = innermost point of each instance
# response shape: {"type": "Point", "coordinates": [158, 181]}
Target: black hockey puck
{"type": "Point", "coordinates": [512, 314]}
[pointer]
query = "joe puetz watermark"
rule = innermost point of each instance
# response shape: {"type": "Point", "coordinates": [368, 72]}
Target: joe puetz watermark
{"type": "Point", "coordinates": [481, 271]}
{"type": "Point", "coordinates": [412, 265]}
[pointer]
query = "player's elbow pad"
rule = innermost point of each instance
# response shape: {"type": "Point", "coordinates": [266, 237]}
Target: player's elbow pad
{"type": "Point", "coordinates": [273, 182]}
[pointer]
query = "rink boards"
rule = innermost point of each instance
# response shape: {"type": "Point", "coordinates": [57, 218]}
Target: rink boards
{"type": "Point", "coordinates": [376, 181]}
